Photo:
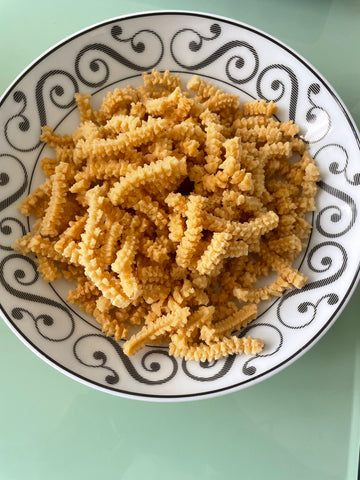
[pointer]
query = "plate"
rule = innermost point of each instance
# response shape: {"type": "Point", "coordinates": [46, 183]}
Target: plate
{"type": "Point", "coordinates": [240, 59]}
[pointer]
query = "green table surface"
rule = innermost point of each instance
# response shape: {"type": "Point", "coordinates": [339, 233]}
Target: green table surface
{"type": "Point", "coordinates": [303, 423]}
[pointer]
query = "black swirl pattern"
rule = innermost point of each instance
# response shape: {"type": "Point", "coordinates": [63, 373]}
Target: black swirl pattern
{"type": "Point", "coordinates": [99, 356]}
{"type": "Point", "coordinates": [43, 320]}
{"type": "Point", "coordinates": [226, 366]}
{"type": "Point", "coordinates": [317, 114]}
{"type": "Point", "coordinates": [153, 366]}
{"type": "Point", "coordinates": [328, 151]}
{"type": "Point", "coordinates": [278, 87]}
{"type": "Point", "coordinates": [250, 370]}
{"type": "Point", "coordinates": [334, 213]}
{"type": "Point", "coordinates": [20, 123]}
{"type": "Point", "coordinates": [7, 225]}
{"type": "Point", "coordinates": [5, 178]}
{"type": "Point", "coordinates": [137, 46]}
{"type": "Point", "coordinates": [330, 248]}
{"type": "Point", "coordinates": [195, 45]}
{"type": "Point", "coordinates": [57, 92]}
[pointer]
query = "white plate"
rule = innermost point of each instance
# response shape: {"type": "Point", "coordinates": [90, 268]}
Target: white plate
{"type": "Point", "coordinates": [240, 59]}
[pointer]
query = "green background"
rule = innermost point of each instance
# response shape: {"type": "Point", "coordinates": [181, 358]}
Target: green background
{"type": "Point", "coordinates": [303, 423]}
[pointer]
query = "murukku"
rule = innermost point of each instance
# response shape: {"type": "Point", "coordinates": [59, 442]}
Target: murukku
{"type": "Point", "coordinates": [168, 208]}
{"type": "Point", "coordinates": [214, 351]}
{"type": "Point", "coordinates": [193, 231]}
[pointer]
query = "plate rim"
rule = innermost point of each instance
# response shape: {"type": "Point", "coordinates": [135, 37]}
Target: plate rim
{"type": "Point", "coordinates": [285, 363]}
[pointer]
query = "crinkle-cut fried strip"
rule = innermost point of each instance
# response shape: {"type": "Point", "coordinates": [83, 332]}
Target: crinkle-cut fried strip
{"type": "Point", "coordinates": [67, 243]}
{"type": "Point", "coordinates": [214, 253]}
{"type": "Point", "coordinates": [36, 202]}
{"type": "Point", "coordinates": [312, 175]}
{"type": "Point", "coordinates": [158, 250]}
{"type": "Point", "coordinates": [240, 319]}
{"type": "Point", "coordinates": [224, 311]}
{"type": "Point", "coordinates": [64, 154]}
{"type": "Point", "coordinates": [190, 332]}
{"type": "Point", "coordinates": [122, 123]}
{"type": "Point", "coordinates": [106, 282]}
{"type": "Point", "coordinates": [203, 89]}
{"type": "Point", "coordinates": [60, 186]}
{"type": "Point", "coordinates": [187, 290]}
{"type": "Point", "coordinates": [112, 328]}
{"type": "Point", "coordinates": [153, 211]}
{"type": "Point", "coordinates": [163, 106]}
{"type": "Point", "coordinates": [163, 147]}
{"type": "Point", "coordinates": [213, 142]}
{"type": "Point", "coordinates": [204, 315]}
{"type": "Point", "coordinates": [279, 149]}
{"type": "Point", "coordinates": [275, 289]}
{"type": "Point", "coordinates": [106, 148]}
{"type": "Point", "coordinates": [229, 169]}
{"type": "Point", "coordinates": [112, 323]}
{"type": "Point", "coordinates": [114, 101]}
{"type": "Point", "coordinates": [184, 130]}
{"type": "Point", "coordinates": [47, 268]}
{"type": "Point", "coordinates": [35, 243]}
{"type": "Point", "coordinates": [289, 129]}
{"type": "Point", "coordinates": [302, 227]}
{"type": "Point", "coordinates": [268, 134]}
{"type": "Point", "coordinates": [138, 110]}
{"type": "Point", "coordinates": [157, 172]}
{"type": "Point", "coordinates": [277, 167]}
{"type": "Point", "coordinates": [88, 131]}
{"type": "Point", "coordinates": [298, 145]}
{"type": "Point", "coordinates": [153, 274]}
{"type": "Point", "coordinates": [296, 174]}
{"type": "Point", "coordinates": [251, 122]}
{"type": "Point", "coordinates": [164, 324]}
{"type": "Point", "coordinates": [104, 304]}
{"type": "Point", "coordinates": [193, 232]}
{"type": "Point", "coordinates": [85, 290]}
{"type": "Point", "coordinates": [72, 273]}
{"type": "Point", "coordinates": [199, 298]}
{"type": "Point", "coordinates": [88, 306]}
{"type": "Point", "coordinates": [247, 230]}
{"type": "Point", "coordinates": [259, 107]}
{"type": "Point", "coordinates": [278, 264]}
{"type": "Point", "coordinates": [48, 166]}
{"type": "Point", "coordinates": [176, 227]}
{"type": "Point", "coordinates": [263, 129]}
{"type": "Point", "coordinates": [154, 292]}
{"type": "Point", "coordinates": [232, 150]}
{"type": "Point", "coordinates": [221, 101]}
{"type": "Point", "coordinates": [99, 170]}
{"type": "Point", "coordinates": [144, 93]}
{"type": "Point", "coordinates": [110, 243]}
{"type": "Point", "coordinates": [166, 79]}
{"type": "Point", "coordinates": [252, 204]}
{"type": "Point", "coordinates": [125, 258]}
{"type": "Point", "coordinates": [290, 243]}
{"type": "Point", "coordinates": [237, 248]}
{"type": "Point", "coordinates": [53, 139]}
{"type": "Point", "coordinates": [177, 201]}
{"type": "Point", "coordinates": [85, 109]}
{"type": "Point", "coordinates": [223, 348]}
{"type": "Point", "coordinates": [188, 147]}
{"type": "Point", "coordinates": [137, 316]}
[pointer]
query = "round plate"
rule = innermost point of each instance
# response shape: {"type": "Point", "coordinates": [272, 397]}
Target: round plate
{"type": "Point", "coordinates": [239, 59]}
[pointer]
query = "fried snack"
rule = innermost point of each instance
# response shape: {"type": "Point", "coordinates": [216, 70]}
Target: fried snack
{"type": "Point", "coordinates": [166, 207]}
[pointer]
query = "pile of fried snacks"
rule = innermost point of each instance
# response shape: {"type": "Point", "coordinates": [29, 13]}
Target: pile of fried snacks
{"type": "Point", "coordinates": [166, 206]}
